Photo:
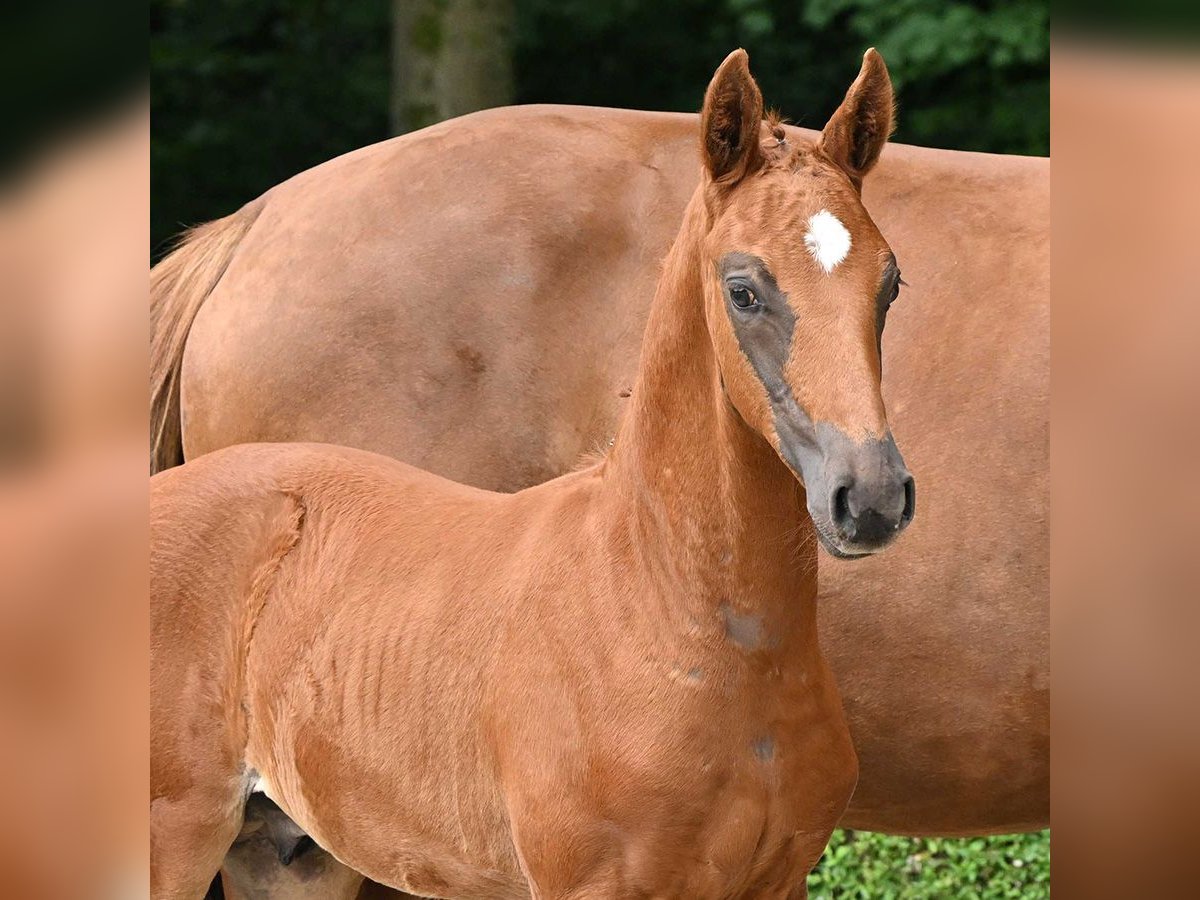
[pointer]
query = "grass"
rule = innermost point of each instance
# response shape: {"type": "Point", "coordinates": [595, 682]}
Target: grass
{"type": "Point", "coordinates": [861, 865]}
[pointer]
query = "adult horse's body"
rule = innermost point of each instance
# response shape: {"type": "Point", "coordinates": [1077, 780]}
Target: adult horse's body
{"type": "Point", "coordinates": [607, 685]}
{"type": "Point", "coordinates": [471, 299]}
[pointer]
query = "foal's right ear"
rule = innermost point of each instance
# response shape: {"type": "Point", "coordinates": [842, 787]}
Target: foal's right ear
{"type": "Point", "coordinates": [731, 121]}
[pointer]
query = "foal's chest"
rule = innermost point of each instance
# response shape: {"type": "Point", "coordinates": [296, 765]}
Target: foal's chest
{"type": "Point", "coordinates": [716, 793]}
{"type": "Point", "coordinates": [757, 816]}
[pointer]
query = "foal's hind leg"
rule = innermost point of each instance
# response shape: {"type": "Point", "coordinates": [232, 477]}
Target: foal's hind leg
{"type": "Point", "coordinates": [189, 837]}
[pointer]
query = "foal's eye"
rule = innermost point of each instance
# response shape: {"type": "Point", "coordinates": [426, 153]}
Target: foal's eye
{"type": "Point", "coordinates": [742, 297]}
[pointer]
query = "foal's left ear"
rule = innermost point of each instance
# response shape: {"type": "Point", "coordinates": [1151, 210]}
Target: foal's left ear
{"type": "Point", "coordinates": [855, 134]}
{"type": "Point", "coordinates": [731, 121]}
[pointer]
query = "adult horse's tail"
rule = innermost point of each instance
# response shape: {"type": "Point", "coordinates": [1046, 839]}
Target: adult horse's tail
{"type": "Point", "coordinates": [179, 285]}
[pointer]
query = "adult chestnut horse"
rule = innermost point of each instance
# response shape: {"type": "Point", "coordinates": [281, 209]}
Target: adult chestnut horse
{"type": "Point", "coordinates": [608, 685]}
{"type": "Point", "coordinates": [471, 299]}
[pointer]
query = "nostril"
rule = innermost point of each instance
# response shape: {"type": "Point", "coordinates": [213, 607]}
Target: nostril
{"type": "Point", "coordinates": [910, 501]}
{"type": "Point", "coordinates": [840, 507]}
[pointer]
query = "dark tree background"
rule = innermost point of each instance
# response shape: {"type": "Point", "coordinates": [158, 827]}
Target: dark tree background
{"type": "Point", "coordinates": [246, 93]}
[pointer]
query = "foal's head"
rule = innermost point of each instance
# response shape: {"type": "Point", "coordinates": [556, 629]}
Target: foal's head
{"type": "Point", "coordinates": [798, 281]}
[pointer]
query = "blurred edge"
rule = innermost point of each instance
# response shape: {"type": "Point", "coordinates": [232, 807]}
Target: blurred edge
{"type": "Point", "coordinates": [64, 63]}
{"type": "Point", "coordinates": [74, 212]}
{"type": "Point", "coordinates": [1126, 367]}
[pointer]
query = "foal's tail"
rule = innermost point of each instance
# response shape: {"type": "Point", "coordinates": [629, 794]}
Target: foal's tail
{"type": "Point", "coordinates": [179, 285]}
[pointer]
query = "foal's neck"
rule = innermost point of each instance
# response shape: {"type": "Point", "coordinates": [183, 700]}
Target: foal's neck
{"type": "Point", "coordinates": [713, 510]}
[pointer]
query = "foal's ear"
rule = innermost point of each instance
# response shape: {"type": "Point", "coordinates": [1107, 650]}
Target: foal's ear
{"type": "Point", "coordinates": [855, 134]}
{"type": "Point", "coordinates": [731, 121]}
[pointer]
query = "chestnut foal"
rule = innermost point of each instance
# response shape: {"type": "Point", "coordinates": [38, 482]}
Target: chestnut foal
{"type": "Point", "coordinates": [605, 685]}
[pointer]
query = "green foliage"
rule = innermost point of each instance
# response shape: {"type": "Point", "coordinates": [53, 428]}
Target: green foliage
{"type": "Point", "coordinates": [245, 93]}
{"type": "Point", "coordinates": [972, 74]}
{"type": "Point", "coordinates": [859, 865]}
{"type": "Point", "coordinates": [661, 54]}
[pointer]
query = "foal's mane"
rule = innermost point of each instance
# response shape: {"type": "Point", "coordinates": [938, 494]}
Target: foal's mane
{"type": "Point", "coordinates": [787, 153]}
{"type": "Point", "coordinates": [775, 122]}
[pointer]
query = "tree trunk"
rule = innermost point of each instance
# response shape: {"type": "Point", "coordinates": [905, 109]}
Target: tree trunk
{"type": "Point", "coordinates": [449, 57]}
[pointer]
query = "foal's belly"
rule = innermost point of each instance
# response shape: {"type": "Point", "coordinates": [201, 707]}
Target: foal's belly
{"type": "Point", "coordinates": [749, 837]}
{"type": "Point", "coordinates": [688, 805]}
{"type": "Point", "coordinates": [402, 798]}
{"type": "Point", "coordinates": [430, 836]}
